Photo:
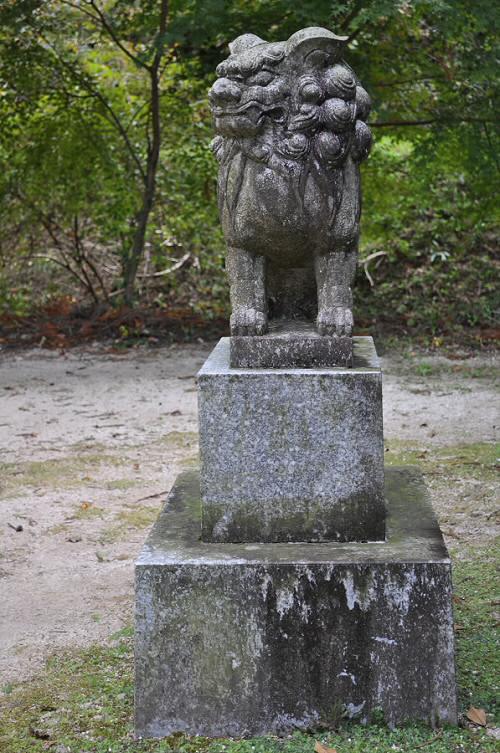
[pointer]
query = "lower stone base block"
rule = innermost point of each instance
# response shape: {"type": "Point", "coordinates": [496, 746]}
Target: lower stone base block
{"type": "Point", "coordinates": [247, 639]}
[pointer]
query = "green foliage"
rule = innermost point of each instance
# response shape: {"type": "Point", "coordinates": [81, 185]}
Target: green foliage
{"type": "Point", "coordinates": [73, 120]}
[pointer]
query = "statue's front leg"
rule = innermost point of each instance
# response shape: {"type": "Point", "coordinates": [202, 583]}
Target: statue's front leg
{"type": "Point", "coordinates": [334, 277]}
{"type": "Point", "coordinates": [247, 280]}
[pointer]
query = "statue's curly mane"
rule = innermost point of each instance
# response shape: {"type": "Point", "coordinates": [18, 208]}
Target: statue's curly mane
{"type": "Point", "coordinates": [317, 117]}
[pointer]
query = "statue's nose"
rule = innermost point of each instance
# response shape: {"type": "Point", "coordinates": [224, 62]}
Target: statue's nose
{"type": "Point", "coordinates": [225, 90]}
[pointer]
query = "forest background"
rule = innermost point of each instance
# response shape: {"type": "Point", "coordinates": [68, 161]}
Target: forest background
{"type": "Point", "coordinates": [108, 214]}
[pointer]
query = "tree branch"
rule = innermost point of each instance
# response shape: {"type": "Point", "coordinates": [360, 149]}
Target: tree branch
{"type": "Point", "coordinates": [430, 121]}
{"type": "Point", "coordinates": [81, 259]}
{"type": "Point", "coordinates": [182, 262]}
{"type": "Point", "coordinates": [115, 120]}
{"type": "Point", "coordinates": [358, 7]}
{"type": "Point", "coordinates": [111, 33]}
{"type": "Point", "coordinates": [80, 9]}
{"type": "Point", "coordinates": [390, 84]}
{"type": "Point", "coordinates": [154, 142]}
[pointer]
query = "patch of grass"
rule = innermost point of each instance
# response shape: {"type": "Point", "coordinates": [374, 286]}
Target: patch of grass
{"type": "Point", "coordinates": [121, 483]}
{"type": "Point", "coordinates": [179, 439]}
{"type": "Point", "coordinates": [124, 632]}
{"type": "Point", "coordinates": [190, 462]}
{"type": "Point", "coordinates": [139, 517]}
{"type": "Point", "coordinates": [55, 473]}
{"type": "Point", "coordinates": [86, 510]}
{"type": "Point", "coordinates": [477, 592]}
{"type": "Point", "coordinates": [59, 528]}
{"type": "Point", "coordinates": [479, 460]}
{"type": "Point", "coordinates": [85, 445]}
{"type": "Point", "coordinates": [84, 700]}
{"type": "Point", "coordinates": [464, 370]}
{"type": "Point", "coordinates": [425, 369]}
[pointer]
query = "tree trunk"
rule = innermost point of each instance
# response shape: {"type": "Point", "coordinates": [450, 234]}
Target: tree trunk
{"type": "Point", "coordinates": [142, 216]}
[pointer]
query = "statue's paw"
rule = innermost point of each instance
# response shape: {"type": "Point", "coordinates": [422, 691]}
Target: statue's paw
{"type": "Point", "coordinates": [248, 322]}
{"type": "Point", "coordinates": [335, 321]}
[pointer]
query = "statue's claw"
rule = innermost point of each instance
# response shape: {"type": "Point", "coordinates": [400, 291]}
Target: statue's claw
{"type": "Point", "coordinates": [335, 321]}
{"type": "Point", "coordinates": [248, 322]}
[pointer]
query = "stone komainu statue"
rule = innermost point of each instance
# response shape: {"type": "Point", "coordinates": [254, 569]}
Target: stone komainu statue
{"type": "Point", "coordinates": [290, 118]}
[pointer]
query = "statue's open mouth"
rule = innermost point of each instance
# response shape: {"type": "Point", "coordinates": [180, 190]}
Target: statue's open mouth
{"type": "Point", "coordinates": [252, 111]}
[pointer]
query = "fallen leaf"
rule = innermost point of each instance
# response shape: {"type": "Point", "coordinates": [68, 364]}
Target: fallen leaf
{"type": "Point", "coordinates": [458, 627]}
{"type": "Point", "coordinates": [477, 716]}
{"type": "Point", "coordinates": [320, 748]}
{"type": "Point", "coordinates": [75, 539]}
{"type": "Point", "coordinates": [458, 599]}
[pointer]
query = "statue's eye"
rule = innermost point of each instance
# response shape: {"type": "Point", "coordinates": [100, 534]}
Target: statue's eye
{"type": "Point", "coordinates": [262, 78]}
{"type": "Point", "coordinates": [317, 59]}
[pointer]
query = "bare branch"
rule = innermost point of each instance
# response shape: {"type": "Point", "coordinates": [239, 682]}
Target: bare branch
{"type": "Point", "coordinates": [80, 258]}
{"type": "Point", "coordinates": [370, 257]}
{"type": "Point", "coordinates": [183, 262]}
{"type": "Point", "coordinates": [364, 263]}
{"type": "Point", "coordinates": [62, 264]}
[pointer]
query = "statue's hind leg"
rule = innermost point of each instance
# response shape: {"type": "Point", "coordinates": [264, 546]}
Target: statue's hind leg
{"type": "Point", "coordinates": [334, 277]}
{"type": "Point", "coordinates": [247, 280]}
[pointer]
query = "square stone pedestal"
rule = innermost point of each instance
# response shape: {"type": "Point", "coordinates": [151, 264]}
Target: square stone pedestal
{"type": "Point", "coordinates": [290, 344]}
{"type": "Point", "coordinates": [292, 454]}
{"type": "Point", "coordinates": [249, 639]}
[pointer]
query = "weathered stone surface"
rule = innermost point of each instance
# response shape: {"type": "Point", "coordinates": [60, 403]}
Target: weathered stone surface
{"type": "Point", "coordinates": [292, 454]}
{"type": "Point", "coordinates": [247, 639]}
{"type": "Point", "coordinates": [290, 344]}
{"type": "Point", "coordinates": [291, 131]}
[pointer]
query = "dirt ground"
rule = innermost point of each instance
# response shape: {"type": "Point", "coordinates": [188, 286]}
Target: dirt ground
{"type": "Point", "coordinates": [91, 442]}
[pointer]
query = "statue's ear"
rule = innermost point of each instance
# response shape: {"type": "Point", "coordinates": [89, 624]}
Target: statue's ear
{"type": "Point", "coordinates": [244, 42]}
{"type": "Point", "coordinates": [315, 47]}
